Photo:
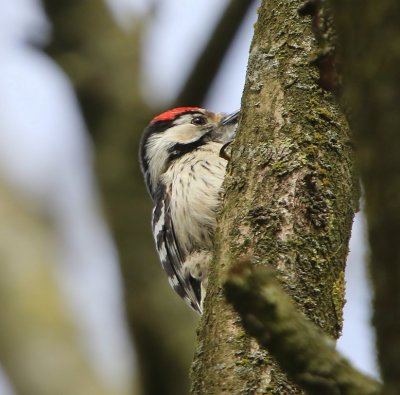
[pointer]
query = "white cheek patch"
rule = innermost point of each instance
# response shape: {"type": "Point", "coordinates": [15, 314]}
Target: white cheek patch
{"type": "Point", "coordinates": [183, 133]}
{"type": "Point", "coordinates": [159, 144]}
{"type": "Point", "coordinates": [157, 148]}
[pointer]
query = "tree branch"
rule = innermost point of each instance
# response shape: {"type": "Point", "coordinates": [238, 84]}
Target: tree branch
{"type": "Point", "coordinates": [288, 201]}
{"type": "Point", "coordinates": [302, 350]}
{"type": "Point", "coordinates": [206, 67]}
{"type": "Point", "coordinates": [369, 35]}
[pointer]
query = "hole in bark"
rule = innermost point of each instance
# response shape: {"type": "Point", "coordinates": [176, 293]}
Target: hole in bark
{"type": "Point", "coordinates": [325, 61]}
{"type": "Point", "coordinates": [308, 8]}
{"type": "Point", "coordinates": [328, 76]}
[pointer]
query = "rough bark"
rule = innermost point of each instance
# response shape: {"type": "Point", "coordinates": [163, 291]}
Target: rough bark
{"type": "Point", "coordinates": [39, 347]}
{"type": "Point", "coordinates": [370, 43]}
{"type": "Point", "coordinates": [290, 197]}
{"type": "Point", "coordinates": [306, 355]}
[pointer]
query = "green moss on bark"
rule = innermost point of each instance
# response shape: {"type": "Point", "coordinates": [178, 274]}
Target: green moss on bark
{"type": "Point", "coordinates": [289, 200]}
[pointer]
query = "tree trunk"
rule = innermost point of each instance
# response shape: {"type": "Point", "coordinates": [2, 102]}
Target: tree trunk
{"type": "Point", "coordinates": [290, 196]}
{"type": "Point", "coordinates": [370, 38]}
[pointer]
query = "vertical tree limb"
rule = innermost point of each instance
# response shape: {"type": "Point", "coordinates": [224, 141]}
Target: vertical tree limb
{"type": "Point", "coordinates": [289, 199]}
{"type": "Point", "coordinates": [370, 43]}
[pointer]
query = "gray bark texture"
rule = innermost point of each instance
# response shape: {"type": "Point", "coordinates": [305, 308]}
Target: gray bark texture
{"type": "Point", "coordinates": [302, 350]}
{"type": "Point", "coordinates": [370, 41]}
{"type": "Point", "coordinates": [290, 197]}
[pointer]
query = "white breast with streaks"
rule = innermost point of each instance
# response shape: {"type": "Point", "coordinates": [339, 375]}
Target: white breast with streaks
{"type": "Point", "coordinates": [196, 190]}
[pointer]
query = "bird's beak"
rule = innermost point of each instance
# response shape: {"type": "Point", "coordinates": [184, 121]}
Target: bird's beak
{"type": "Point", "coordinates": [225, 131]}
{"type": "Point", "coordinates": [231, 119]}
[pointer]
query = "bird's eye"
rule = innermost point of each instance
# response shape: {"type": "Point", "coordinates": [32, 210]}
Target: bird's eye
{"type": "Point", "coordinates": [199, 120]}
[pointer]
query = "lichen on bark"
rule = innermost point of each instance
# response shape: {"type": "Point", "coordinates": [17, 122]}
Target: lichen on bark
{"type": "Point", "coordinates": [305, 353]}
{"type": "Point", "coordinates": [289, 200]}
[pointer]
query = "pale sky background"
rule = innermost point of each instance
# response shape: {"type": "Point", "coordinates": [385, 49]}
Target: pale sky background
{"type": "Point", "coordinates": [42, 133]}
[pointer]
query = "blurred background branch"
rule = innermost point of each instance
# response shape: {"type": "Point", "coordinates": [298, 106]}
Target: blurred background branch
{"type": "Point", "coordinates": [209, 62]}
{"type": "Point", "coordinates": [102, 61]}
{"type": "Point", "coordinates": [39, 347]}
{"type": "Point", "coordinates": [369, 34]}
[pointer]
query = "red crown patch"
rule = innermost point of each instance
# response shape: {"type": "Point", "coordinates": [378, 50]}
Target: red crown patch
{"type": "Point", "coordinates": [172, 114]}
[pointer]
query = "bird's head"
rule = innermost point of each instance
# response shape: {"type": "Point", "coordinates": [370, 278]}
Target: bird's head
{"type": "Point", "coordinates": [177, 132]}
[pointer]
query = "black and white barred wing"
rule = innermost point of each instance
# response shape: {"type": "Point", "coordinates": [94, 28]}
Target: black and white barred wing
{"type": "Point", "coordinates": [170, 255]}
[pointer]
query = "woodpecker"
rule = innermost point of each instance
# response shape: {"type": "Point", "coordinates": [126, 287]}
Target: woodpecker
{"type": "Point", "coordinates": [183, 159]}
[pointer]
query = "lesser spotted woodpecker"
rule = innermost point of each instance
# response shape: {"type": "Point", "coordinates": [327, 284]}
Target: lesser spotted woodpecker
{"type": "Point", "coordinates": [183, 160]}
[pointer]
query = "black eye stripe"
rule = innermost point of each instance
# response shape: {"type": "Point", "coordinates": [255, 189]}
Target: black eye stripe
{"type": "Point", "coordinates": [179, 149]}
